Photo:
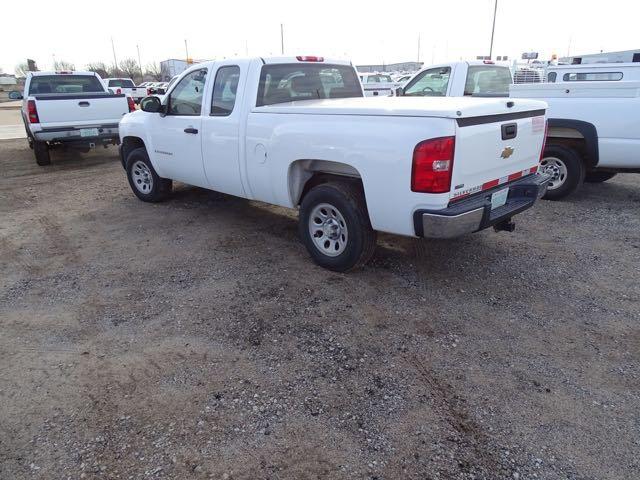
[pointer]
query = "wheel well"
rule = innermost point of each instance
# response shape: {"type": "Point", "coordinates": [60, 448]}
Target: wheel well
{"type": "Point", "coordinates": [306, 174]}
{"type": "Point", "coordinates": [129, 144]}
{"type": "Point", "coordinates": [574, 143]}
{"type": "Point", "coordinates": [577, 135]}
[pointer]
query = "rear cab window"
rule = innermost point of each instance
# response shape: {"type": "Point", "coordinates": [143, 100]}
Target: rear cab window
{"type": "Point", "coordinates": [487, 81]}
{"type": "Point", "coordinates": [46, 84]}
{"type": "Point", "coordinates": [379, 79]}
{"type": "Point", "coordinates": [281, 83]}
{"type": "Point", "coordinates": [121, 83]}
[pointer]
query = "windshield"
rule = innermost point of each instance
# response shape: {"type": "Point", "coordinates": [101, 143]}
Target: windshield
{"type": "Point", "coordinates": [293, 82]}
{"type": "Point", "coordinates": [65, 84]}
{"type": "Point", "coordinates": [487, 80]}
{"type": "Point", "coordinates": [121, 82]}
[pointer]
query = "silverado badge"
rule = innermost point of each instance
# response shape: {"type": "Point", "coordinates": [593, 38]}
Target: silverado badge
{"type": "Point", "coordinates": [507, 152]}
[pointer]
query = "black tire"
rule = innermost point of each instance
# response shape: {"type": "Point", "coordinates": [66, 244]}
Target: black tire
{"type": "Point", "coordinates": [158, 189]}
{"type": "Point", "coordinates": [599, 177]}
{"type": "Point", "coordinates": [41, 152]}
{"type": "Point", "coordinates": [360, 242]}
{"type": "Point", "coordinates": [575, 170]}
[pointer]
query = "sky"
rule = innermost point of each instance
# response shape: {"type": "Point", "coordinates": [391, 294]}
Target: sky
{"type": "Point", "coordinates": [365, 32]}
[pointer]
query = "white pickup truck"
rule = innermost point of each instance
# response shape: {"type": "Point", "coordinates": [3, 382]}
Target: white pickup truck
{"type": "Point", "coordinates": [594, 123]}
{"type": "Point", "coordinates": [378, 84]}
{"type": "Point", "coordinates": [297, 132]}
{"type": "Point", "coordinates": [460, 79]}
{"type": "Point", "coordinates": [72, 109]}
{"type": "Point", "coordinates": [126, 87]}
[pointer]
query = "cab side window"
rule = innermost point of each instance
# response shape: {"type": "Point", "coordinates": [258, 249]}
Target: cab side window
{"type": "Point", "coordinates": [431, 83]}
{"type": "Point", "coordinates": [186, 97]}
{"type": "Point", "coordinates": [225, 88]}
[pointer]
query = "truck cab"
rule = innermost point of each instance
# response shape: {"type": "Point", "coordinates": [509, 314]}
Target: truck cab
{"type": "Point", "coordinates": [460, 79]}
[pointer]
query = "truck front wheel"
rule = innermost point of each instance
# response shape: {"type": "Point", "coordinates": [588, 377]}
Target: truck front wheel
{"type": "Point", "coordinates": [566, 169]}
{"type": "Point", "coordinates": [41, 151]}
{"type": "Point", "coordinates": [335, 227]}
{"type": "Point", "coordinates": [143, 179]}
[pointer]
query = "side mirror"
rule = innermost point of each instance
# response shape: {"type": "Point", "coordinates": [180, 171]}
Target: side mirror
{"type": "Point", "coordinates": [15, 95]}
{"type": "Point", "coordinates": [151, 104]}
{"type": "Point", "coordinates": [399, 92]}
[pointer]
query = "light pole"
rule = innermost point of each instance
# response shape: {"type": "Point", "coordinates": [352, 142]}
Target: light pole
{"type": "Point", "coordinates": [140, 64]}
{"type": "Point", "coordinates": [115, 61]}
{"type": "Point", "coordinates": [282, 38]}
{"type": "Point", "coordinates": [493, 29]}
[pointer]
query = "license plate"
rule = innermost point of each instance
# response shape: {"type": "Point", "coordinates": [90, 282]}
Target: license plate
{"type": "Point", "coordinates": [498, 199]}
{"type": "Point", "coordinates": [89, 132]}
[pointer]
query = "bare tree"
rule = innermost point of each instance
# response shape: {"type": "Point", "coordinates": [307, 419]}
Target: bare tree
{"type": "Point", "coordinates": [63, 65]}
{"type": "Point", "coordinates": [115, 72]}
{"type": "Point", "coordinates": [153, 71]}
{"type": "Point", "coordinates": [131, 69]}
{"type": "Point", "coordinates": [22, 69]}
{"type": "Point", "coordinates": [100, 68]}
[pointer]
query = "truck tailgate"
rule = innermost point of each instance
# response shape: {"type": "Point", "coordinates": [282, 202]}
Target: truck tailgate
{"type": "Point", "coordinates": [80, 110]}
{"type": "Point", "coordinates": [495, 149]}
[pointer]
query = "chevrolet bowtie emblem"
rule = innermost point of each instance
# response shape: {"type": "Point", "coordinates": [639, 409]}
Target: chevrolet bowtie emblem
{"type": "Point", "coordinates": [507, 152]}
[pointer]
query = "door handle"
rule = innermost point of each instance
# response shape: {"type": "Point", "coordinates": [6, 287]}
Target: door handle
{"type": "Point", "coordinates": [83, 104]}
{"type": "Point", "coordinates": [191, 130]}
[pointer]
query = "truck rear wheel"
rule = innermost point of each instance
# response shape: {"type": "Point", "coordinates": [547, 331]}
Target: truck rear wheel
{"type": "Point", "coordinates": [599, 177]}
{"type": "Point", "coordinates": [566, 169]}
{"type": "Point", "coordinates": [41, 152]}
{"type": "Point", "coordinates": [143, 179]}
{"type": "Point", "coordinates": [335, 228]}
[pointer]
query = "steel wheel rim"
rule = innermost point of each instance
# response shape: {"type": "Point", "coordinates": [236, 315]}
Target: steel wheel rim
{"type": "Point", "coordinates": [557, 169]}
{"type": "Point", "coordinates": [142, 178]}
{"type": "Point", "coordinates": [328, 230]}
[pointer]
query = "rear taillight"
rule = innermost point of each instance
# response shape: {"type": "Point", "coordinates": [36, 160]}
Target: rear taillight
{"type": "Point", "coordinates": [432, 165]}
{"type": "Point", "coordinates": [118, 92]}
{"type": "Point", "coordinates": [132, 104]}
{"type": "Point", "coordinates": [32, 111]}
{"type": "Point", "coordinates": [148, 91]}
{"type": "Point", "coordinates": [544, 140]}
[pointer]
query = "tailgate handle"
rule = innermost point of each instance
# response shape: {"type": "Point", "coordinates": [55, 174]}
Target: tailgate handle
{"type": "Point", "coordinates": [509, 131]}
{"type": "Point", "coordinates": [83, 104]}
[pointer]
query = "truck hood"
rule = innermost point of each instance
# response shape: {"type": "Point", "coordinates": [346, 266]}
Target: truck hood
{"type": "Point", "coordinates": [441, 107]}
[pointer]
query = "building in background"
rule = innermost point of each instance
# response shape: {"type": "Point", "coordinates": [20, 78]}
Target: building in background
{"type": "Point", "coordinates": [8, 82]}
{"type": "Point", "coordinates": [627, 56]}
{"type": "Point", "coordinates": [391, 67]}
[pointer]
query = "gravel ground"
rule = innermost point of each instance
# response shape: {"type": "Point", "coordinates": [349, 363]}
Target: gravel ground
{"type": "Point", "coordinates": [195, 339]}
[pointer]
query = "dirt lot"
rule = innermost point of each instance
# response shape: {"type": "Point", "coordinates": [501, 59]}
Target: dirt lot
{"type": "Point", "coordinates": [195, 339]}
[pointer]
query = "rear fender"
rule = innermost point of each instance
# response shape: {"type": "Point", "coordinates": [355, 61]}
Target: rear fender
{"type": "Point", "coordinates": [588, 132]}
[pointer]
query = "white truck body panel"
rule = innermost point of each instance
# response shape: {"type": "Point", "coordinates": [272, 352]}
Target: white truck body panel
{"type": "Point", "coordinates": [593, 72]}
{"type": "Point", "coordinates": [612, 107]}
{"type": "Point", "coordinates": [101, 109]}
{"type": "Point", "coordinates": [257, 151]}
